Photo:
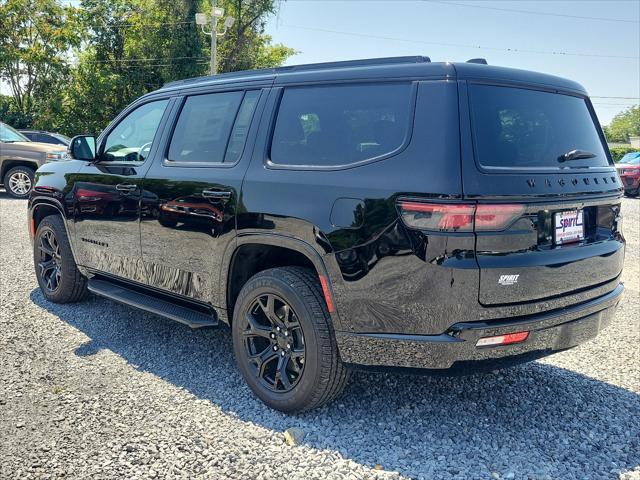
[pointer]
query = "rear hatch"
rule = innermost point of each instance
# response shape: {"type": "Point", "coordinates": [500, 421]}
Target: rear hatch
{"type": "Point", "coordinates": [539, 162]}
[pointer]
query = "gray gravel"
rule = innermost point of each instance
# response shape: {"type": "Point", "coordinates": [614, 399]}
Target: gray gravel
{"type": "Point", "coordinates": [99, 390]}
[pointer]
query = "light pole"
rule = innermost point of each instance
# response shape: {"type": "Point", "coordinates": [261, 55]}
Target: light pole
{"type": "Point", "coordinates": [202, 19]}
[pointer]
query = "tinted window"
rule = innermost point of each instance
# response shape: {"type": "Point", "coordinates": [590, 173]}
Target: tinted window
{"type": "Point", "coordinates": [31, 136]}
{"type": "Point", "coordinates": [241, 127]}
{"type": "Point", "coordinates": [515, 127]}
{"type": "Point", "coordinates": [44, 138]}
{"type": "Point", "coordinates": [338, 125]}
{"type": "Point", "coordinates": [204, 126]}
{"type": "Point", "coordinates": [131, 139]}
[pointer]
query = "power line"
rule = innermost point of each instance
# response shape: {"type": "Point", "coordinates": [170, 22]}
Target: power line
{"type": "Point", "coordinates": [619, 98]}
{"type": "Point", "coordinates": [478, 47]}
{"type": "Point", "coordinates": [125, 60]}
{"type": "Point", "coordinates": [134, 25]}
{"type": "Point", "coordinates": [532, 12]}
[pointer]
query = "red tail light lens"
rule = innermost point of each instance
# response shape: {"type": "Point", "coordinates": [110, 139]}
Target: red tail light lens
{"type": "Point", "coordinates": [437, 216]}
{"type": "Point", "coordinates": [496, 217]}
{"type": "Point", "coordinates": [458, 217]}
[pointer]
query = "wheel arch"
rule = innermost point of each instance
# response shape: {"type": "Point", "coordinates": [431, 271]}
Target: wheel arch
{"type": "Point", "coordinates": [9, 164]}
{"type": "Point", "coordinates": [41, 207]}
{"type": "Point", "coordinates": [253, 253]}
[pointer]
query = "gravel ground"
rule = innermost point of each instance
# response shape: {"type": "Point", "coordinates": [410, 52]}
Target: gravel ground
{"type": "Point", "coordinates": [103, 391]}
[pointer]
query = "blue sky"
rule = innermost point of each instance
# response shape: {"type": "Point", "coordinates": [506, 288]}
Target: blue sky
{"type": "Point", "coordinates": [424, 27]}
{"type": "Point", "coordinates": [594, 42]}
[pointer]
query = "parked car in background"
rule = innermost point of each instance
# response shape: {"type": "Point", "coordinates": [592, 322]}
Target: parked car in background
{"type": "Point", "coordinates": [46, 137]}
{"type": "Point", "coordinates": [20, 158]}
{"type": "Point", "coordinates": [380, 214]}
{"type": "Point", "coordinates": [629, 171]}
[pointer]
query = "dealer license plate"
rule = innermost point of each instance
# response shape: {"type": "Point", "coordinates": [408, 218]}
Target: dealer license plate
{"type": "Point", "coordinates": [569, 226]}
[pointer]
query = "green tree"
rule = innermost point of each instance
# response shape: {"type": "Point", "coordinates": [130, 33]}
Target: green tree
{"type": "Point", "coordinates": [135, 46]}
{"type": "Point", "coordinates": [35, 37]}
{"type": "Point", "coordinates": [246, 46]}
{"type": "Point", "coordinates": [624, 125]}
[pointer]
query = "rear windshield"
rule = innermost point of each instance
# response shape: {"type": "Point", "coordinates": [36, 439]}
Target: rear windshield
{"type": "Point", "coordinates": [520, 128]}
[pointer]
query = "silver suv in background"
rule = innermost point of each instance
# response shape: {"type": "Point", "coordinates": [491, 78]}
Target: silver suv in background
{"type": "Point", "coordinates": [20, 158]}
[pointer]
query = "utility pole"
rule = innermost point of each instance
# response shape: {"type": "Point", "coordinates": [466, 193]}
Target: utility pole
{"type": "Point", "coordinates": [203, 19]}
{"type": "Point", "coordinates": [214, 38]}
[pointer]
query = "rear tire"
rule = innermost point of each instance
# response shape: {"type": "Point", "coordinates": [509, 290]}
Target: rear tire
{"type": "Point", "coordinates": [18, 181]}
{"type": "Point", "coordinates": [56, 270]}
{"type": "Point", "coordinates": [289, 357]}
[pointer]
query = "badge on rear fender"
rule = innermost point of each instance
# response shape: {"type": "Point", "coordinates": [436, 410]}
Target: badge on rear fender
{"type": "Point", "coordinates": [508, 279]}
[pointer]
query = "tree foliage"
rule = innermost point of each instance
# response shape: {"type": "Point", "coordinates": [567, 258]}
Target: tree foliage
{"type": "Point", "coordinates": [35, 38]}
{"type": "Point", "coordinates": [624, 125]}
{"type": "Point", "coordinates": [126, 48]}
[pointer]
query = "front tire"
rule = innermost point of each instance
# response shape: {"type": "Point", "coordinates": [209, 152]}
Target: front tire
{"type": "Point", "coordinates": [56, 270]}
{"type": "Point", "coordinates": [284, 342]}
{"type": "Point", "coordinates": [18, 181]}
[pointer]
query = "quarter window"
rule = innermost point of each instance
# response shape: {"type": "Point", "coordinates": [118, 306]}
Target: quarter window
{"type": "Point", "coordinates": [340, 125]}
{"type": "Point", "coordinates": [131, 139]}
{"type": "Point", "coordinates": [213, 128]}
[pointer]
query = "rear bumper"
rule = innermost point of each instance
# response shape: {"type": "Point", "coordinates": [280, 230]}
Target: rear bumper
{"type": "Point", "coordinates": [456, 349]}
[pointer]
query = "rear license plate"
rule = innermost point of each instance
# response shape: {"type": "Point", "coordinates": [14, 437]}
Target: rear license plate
{"type": "Point", "coordinates": [569, 226]}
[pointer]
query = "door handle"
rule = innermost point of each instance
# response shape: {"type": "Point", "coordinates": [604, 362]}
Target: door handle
{"type": "Point", "coordinates": [216, 194]}
{"type": "Point", "coordinates": [126, 187]}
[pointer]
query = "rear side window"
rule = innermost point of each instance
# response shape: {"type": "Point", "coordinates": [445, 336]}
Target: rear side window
{"type": "Point", "coordinates": [204, 127]}
{"type": "Point", "coordinates": [339, 125]}
{"type": "Point", "coordinates": [529, 129]}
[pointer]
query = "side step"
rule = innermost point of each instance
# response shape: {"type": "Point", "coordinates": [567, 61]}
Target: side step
{"type": "Point", "coordinates": [180, 313]}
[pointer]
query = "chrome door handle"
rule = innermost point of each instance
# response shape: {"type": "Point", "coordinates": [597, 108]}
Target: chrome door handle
{"type": "Point", "coordinates": [216, 194]}
{"type": "Point", "coordinates": [126, 187]}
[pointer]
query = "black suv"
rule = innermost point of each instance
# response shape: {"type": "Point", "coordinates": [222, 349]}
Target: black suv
{"type": "Point", "coordinates": [388, 213]}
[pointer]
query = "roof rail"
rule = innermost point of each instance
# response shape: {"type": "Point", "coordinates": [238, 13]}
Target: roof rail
{"type": "Point", "coordinates": [481, 61]}
{"type": "Point", "coordinates": [308, 66]}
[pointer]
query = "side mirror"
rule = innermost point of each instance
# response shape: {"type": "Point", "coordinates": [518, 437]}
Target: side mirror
{"type": "Point", "coordinates": [83, 147]}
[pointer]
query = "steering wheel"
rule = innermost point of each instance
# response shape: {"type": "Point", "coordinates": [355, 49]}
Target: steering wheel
{"type": "Point", "coordinates": [147, 147]}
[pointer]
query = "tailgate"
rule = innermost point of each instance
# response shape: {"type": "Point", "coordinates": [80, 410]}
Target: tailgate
{"type": "Point", "coordinates": [528, 262]}
{"type": "Point", "coordinates": [540, 153]}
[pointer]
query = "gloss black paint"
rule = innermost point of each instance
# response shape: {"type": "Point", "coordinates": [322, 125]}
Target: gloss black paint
{"type": "Point", "coordinates": [409, 293]}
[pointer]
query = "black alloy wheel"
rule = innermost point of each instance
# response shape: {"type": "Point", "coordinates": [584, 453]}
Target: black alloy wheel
{"type": "Point", "coordinates": [50, 264]}
{"type": "Point", "coordinates": [58, 275]}
{"type": "Point", "coordinates": [274, 342]}
{"type": "Point", "coordinates": [284, 342]}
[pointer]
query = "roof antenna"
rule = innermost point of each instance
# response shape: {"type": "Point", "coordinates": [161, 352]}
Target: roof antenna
{"type": "Point", "coordinates": [481, 61]}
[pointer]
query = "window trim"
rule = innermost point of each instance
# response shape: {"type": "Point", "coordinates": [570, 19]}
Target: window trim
{"type": "Point", "coordinates": [166, 162]}
{"type": "Point", "coordinates": [102, 139]}
{"type": "Point", "coordinates": [276, 109]}
{"type": "Point", "coordinates": [534, 170]}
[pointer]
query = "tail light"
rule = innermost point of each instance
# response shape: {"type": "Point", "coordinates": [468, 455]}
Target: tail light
{"type": "Point", "coordinates": [458, 217]}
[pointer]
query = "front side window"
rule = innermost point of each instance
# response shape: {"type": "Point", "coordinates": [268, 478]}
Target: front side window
{"type": "Point", "coordinates": [340, 125]}
{"type": "Point", "coordinates": [203, 132]}
{"type": "Point", "coordinates": [521, 128]}
{"type": "Point", "coordinates": [131, 139]}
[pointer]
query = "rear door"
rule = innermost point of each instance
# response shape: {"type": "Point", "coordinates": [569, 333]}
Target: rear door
{"type": "Point", "coordinates": [192, 192]}
{"type": "Point", "coordinates": [539, 155]}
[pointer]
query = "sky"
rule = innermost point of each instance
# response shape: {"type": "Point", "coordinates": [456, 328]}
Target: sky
{"type": "Point", "coordinates": [602, 52]}
{"type": "Point", "coordinates": [594, 42]}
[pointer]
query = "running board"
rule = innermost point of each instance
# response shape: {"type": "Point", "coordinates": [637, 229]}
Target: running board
{"type": "Point", "coordinates": [183, 314]}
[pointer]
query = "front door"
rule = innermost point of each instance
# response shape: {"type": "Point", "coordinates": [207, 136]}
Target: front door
{"type": "Point", "coordinates": [191, 194]}
{"type": "Point", "coordinates": [106, 194]}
